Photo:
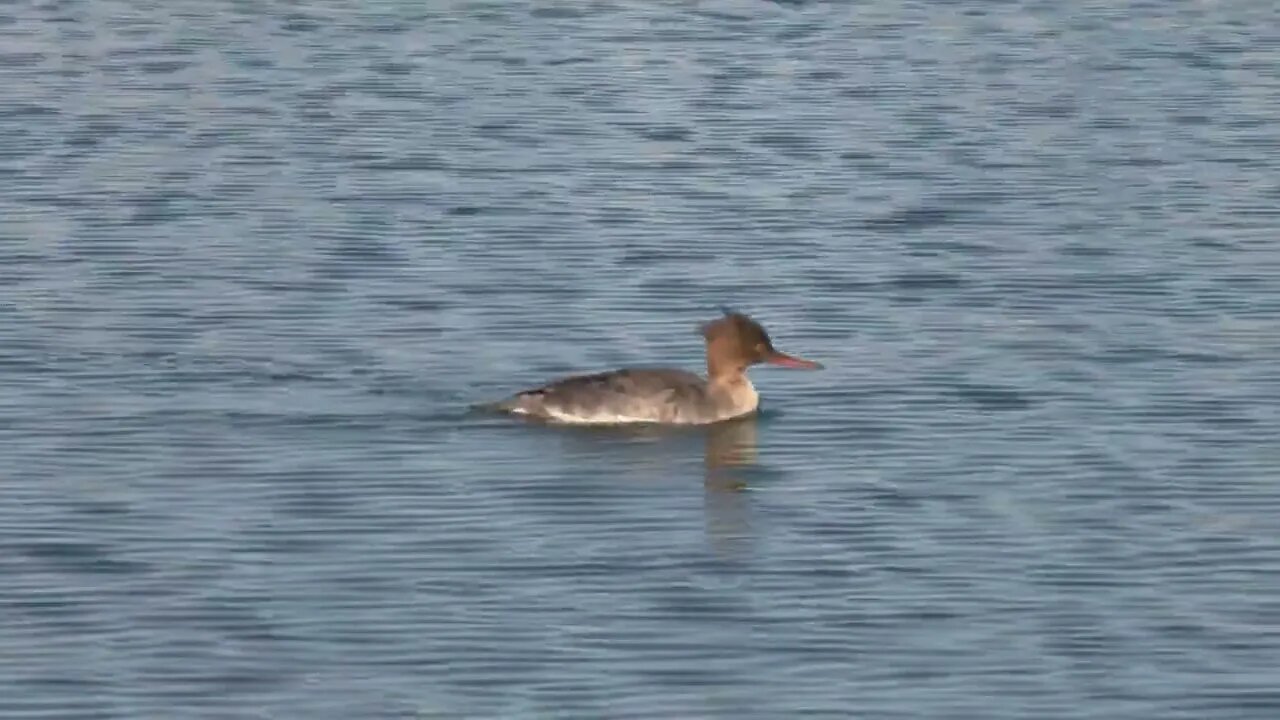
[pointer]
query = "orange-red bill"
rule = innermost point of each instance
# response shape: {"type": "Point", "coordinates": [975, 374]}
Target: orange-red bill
{"type": "Point", "coordinates": [791, 361]}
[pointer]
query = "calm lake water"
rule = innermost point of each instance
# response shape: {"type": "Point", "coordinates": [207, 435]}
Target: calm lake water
{"type": "Point", "coordinates": [257, 259]}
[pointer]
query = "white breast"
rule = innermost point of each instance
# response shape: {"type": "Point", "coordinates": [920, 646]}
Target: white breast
{"type": "Point", "coordinates": [739, 398]}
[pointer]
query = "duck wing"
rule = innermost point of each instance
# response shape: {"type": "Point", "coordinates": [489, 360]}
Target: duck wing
{"type": "Point", "coordinates": [618, 396]}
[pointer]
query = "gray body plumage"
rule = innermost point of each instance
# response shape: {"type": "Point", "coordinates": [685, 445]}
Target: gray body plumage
{"type": "Point", "coordinates": [633, 396]}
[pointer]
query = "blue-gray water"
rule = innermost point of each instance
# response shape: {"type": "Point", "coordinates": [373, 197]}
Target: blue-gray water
{"type": "Point", "coordinates": [256, 259]}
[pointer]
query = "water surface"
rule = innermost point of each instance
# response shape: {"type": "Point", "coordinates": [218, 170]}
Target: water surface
{"type": "Point", "coordinates": [255, 263]}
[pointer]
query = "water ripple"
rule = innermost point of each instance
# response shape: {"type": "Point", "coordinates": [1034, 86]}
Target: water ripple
{"type": "Point", "coordinates": [257, 261]}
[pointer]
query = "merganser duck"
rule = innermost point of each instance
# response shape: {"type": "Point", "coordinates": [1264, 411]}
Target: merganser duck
{"type": "Point", "coordinates": [666, 396]}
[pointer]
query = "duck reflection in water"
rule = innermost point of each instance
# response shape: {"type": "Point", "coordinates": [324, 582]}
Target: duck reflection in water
{"type": "Point", "coordinates": [644, 453]}
{"type": "Point", "coordinates": [730, 450]}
